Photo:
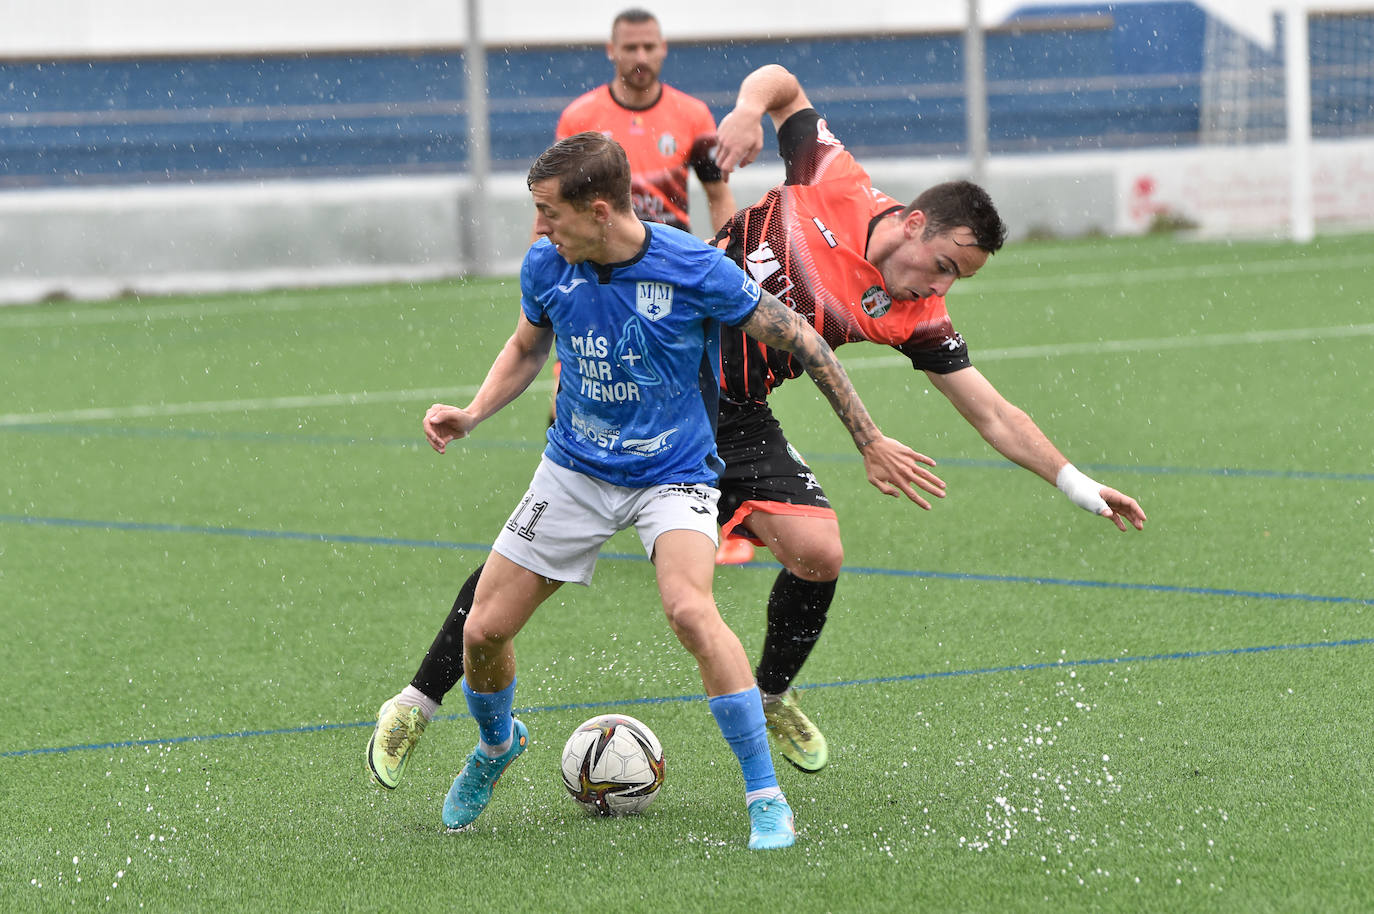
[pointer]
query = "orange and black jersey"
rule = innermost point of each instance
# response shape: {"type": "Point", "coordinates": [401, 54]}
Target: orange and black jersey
{"type": "Point", "coordinates": [661, 141]}
{"type": "Point", "coordinates": [805, 243]}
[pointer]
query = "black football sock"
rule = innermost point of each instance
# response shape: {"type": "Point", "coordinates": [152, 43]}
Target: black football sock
{"type": "Point", "coordinates": [796, 615]}
{"type": "Point", "coordinates": [443, 664]}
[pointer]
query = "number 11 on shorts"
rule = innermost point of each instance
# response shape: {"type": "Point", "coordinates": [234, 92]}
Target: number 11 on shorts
{"type": "Point", "coordinates": [530, 511]}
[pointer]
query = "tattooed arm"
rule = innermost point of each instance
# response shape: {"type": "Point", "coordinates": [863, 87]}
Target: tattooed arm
{"type": "Point", "coordinates": [779, 326]}
{"type": "Point", "coordinates": [892, 467]}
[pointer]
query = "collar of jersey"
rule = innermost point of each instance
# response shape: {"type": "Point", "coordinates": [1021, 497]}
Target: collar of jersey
{"type": "Point", "coordinates": [657, 98]}
{"type": "Point", "coordinates": [604, 270]}
{"type": "Point", "coordinates": [873, 223]}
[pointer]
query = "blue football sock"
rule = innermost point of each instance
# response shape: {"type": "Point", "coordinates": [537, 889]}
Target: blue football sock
{"type": "Point", "coordinates": [492, 710]}
{"type": "Point", "coordinates": [740, 716]}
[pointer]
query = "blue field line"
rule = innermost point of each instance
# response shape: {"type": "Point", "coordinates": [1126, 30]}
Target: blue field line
{"type": "Point", "coordinates": [242, 532]}
{"type": "Point", "coordinates": [401, 542]}
{"type": "Point", "coordinates": [683, 699]}
{"type": "Point", "coordinates": [534, 444]}
{"type": "Point", "coordinates": [1146, 470]}
{"type": "Point", "coordinates": [1109, 585]}
{"type": "Point", "coordinates": [309, 439]}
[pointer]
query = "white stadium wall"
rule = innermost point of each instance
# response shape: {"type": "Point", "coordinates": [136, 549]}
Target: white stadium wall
{"type": "Point", "coordinates": [100, 242]}
{"type": "Point", "coordinates": [80, 27]}
{"type": "Point", "coordinates": [96, 243]}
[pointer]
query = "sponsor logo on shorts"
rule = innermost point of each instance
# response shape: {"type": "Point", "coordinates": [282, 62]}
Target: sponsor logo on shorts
{"type": "Point", "coordinates": [694, 492]}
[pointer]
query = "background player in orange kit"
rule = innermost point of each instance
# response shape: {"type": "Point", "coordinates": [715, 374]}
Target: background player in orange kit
{"type": "Point", "coordinates": [664, 132]}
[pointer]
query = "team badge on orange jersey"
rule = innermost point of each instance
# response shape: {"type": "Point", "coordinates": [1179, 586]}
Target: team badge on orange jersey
{"type": "Point", "coordinates": [875, 301]}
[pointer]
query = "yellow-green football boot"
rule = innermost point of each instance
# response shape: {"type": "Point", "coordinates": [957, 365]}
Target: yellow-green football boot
{"type": "Point", "coordinates": [798, 739]}
{"type": "Point", "coordinates": [399, 728]}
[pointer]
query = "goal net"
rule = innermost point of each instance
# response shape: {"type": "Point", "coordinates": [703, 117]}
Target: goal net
{"type": "Point", "coordinates": [1242, 91]}
{"type": "Point", "coordinates": [1309, 100]}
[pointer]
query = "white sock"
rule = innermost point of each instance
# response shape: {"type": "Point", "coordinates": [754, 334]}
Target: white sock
{"type": "Point", "coordinates": [412, 697]}
{"type": "Point", "coordinates": [502, 749]}
{"type": "Point", "coordinates": [763, 793]}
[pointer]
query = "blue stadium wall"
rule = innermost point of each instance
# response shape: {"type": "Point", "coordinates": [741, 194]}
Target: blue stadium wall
{"type": "Point", "coordinates": [1059, 79]}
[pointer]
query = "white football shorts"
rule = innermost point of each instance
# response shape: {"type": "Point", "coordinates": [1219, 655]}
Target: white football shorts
{"type": "Point", "coordinates": [565, 518]}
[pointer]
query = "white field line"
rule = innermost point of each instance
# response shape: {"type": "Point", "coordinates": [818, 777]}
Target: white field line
{"type": "Point", "coordinates": [40, 316]}
{"type": "Point", "coordinates": [52, 315]}
{"type": "Point", "coordinates": [1104, 347]}
{"type": "Point", "coordinates": [1146, 276]}
{"type": "Point", "coordinates": [1157, 344]}
{"type": "Point", "coordinates": [304, 401]}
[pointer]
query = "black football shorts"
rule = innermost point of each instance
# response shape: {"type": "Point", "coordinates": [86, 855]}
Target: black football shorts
{"type": "Point", "coordinates": [763, 472]}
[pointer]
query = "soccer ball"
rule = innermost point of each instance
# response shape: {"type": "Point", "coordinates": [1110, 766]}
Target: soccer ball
{"type": "Point", "coordinates": [613, 765]}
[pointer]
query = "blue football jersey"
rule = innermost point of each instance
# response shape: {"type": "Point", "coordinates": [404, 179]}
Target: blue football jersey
{"type": "Point", "coordinates": [640, 343]}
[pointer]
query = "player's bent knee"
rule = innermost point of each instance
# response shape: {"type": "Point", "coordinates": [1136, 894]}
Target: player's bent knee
{"type": "Point", "coordinates": [692, 621]}
{"type": "Point", "coordinates": [819, 563]}
{"type": "Point", "coordinates": [482, 639]}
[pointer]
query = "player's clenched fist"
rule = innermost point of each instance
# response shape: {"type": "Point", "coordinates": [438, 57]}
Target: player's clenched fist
{"type": "Point", "coordinates": [444, 423]}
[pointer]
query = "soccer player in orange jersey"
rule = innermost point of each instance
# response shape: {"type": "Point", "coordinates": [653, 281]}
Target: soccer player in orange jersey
{"type": "Point", "coordinates": [859, 265]}
{"type": "Point", "coordinates": [664, 132]}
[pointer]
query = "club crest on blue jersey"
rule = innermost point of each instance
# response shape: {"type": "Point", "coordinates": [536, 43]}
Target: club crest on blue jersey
{"type": "Point", "coordinates": [654, 300]}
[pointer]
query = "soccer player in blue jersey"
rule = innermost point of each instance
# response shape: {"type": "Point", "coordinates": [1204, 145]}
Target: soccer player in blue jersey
{"type": "Point", "coordinates": [635, 310]}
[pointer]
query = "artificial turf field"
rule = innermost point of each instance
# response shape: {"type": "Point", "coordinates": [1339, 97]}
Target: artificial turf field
{"type": "Point", "coordinates": [223, 543]}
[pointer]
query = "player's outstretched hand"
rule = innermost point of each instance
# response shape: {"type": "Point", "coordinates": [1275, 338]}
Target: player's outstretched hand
{"type": "Point", "coordinates": [895, 469]}
{"type": "Point", "coordinates": [1121, 509]}
{"type": "Point", "coordinates": [739, 140]}
{"type": "Point", "coordinates": [446, 423]}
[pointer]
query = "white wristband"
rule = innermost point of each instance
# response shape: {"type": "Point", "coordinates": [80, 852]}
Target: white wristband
{"type": "Point", "coordinates": [1080, 489]}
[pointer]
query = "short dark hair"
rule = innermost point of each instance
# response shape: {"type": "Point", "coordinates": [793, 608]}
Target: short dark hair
{"type": "Point", "coordinates": [634, 16]}
{"type": "Point", "coordinates": [953, 204]}
{"type": "Point", "coordinates": [589, 166]}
